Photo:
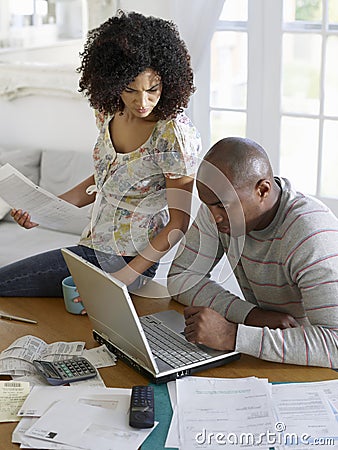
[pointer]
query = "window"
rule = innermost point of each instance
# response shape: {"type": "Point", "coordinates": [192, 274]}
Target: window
{"type": "Point", "coordinates": [31, 12]}
{"type": "Point", "coordinates": [229, 72]}
{"type": "Point", "coordinates": [273, 78]}
{"type": "Point", "coordinates": [36, 23]}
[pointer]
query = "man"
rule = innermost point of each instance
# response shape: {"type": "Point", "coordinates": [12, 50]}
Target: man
{"type": "Point", "coordinates": [283, 248]}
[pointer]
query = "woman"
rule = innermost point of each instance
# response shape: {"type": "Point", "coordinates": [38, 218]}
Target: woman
{"type": "Point", "coordinates": [136, 73]}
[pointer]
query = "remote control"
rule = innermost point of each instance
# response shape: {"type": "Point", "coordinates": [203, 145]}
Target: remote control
{"type": "Point", "coordinates": [142, 407]}
{"type": "Point", "coordinates": [65, 371]}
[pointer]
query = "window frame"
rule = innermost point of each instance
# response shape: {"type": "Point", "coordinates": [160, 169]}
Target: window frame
{"type": "Point", "coordinates": [264, 111]}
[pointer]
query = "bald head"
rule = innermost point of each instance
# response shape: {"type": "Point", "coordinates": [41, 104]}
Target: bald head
{"type": "Point", "coordinates": [235, 181]}
{"type": "Point", "coordinates": [243, 161]}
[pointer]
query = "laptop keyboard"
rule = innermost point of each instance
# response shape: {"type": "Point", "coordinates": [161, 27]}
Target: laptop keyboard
{"type": "Point", "coordinates": [166, 345]}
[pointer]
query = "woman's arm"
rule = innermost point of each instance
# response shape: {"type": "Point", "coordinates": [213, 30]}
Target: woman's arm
{"type": "Point", "coordinates": [78, 195]}
{"type": "Point", "coordinates": [179, 194]}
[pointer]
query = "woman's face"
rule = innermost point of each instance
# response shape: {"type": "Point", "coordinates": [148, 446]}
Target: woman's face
{"type": "Point", "coordinates": [142, 95]}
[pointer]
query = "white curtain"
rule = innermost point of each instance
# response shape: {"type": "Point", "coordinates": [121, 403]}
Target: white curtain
{"type": "Point", "coordinates": [195, 19]}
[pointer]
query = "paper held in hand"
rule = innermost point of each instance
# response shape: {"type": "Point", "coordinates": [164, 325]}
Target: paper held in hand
{"type": "Point", "coordinates": [45, 208]}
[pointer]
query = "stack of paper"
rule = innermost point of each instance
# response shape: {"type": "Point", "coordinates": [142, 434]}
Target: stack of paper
{"type": "Point", "coordinates": [17, 359]}
{"type": "Point", "coordinates": [251, 413]}
{"type": "Point", "coordinates": [82, 418]}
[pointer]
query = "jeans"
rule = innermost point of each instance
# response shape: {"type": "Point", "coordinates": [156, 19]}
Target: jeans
{"type": "Point", "coordinates": [41, 275]}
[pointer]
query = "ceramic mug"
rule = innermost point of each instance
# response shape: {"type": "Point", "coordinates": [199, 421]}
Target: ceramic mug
{"type": "Point", "coordinates": [69, 293]}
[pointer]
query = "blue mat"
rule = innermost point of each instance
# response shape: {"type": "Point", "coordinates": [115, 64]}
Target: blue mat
{"type": "Point", "coordinates": [163, 413]}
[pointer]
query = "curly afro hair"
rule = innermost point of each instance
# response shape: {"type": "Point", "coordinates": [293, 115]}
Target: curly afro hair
{"type": "Point", "coordinates": [123, 47]}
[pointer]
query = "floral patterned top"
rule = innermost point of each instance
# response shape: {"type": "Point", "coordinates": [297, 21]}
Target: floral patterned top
{"type": "Point", "coordinates": [131, 205]}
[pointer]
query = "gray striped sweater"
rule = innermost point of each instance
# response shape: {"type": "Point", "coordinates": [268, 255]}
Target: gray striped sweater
{"type": "Point", "coordinates": [291, 266]}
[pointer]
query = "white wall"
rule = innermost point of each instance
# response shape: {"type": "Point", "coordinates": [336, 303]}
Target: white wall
{"type": "Point", "coordinates": [40, 106]}
{"type": "Point", "coordinates": [39, 102]}
{"type": "Point", "coordinates": [47, 122]}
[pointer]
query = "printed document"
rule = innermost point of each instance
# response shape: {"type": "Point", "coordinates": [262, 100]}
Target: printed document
{"type": "Point", "coordinates": [17, 359]}
{"type": "Point", "coordinates": [216, 412]}
{"type": "Point", "coordinates": [306, 414]}
{"type": "Point", "coordinates": [44, 208]}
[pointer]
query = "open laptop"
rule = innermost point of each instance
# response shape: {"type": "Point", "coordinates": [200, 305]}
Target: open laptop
{"type": "Point", "coordinates": [154, 345]}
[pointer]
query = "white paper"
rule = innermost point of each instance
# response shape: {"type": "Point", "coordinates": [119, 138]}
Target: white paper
{"type": "Point", "coordinates": [173, 438]}
{"type": "Point", "coordinates": [21, 428]}
{"type": "Point", "coordinates": [330, 389]}
{"type": "Point", "coordinates": [216, 412]}
{"type": "Point", "coordinates": [100, 357]}
{"type": "Point", "coordinates": [41, 398]}
{"type": "Point", "coordinates": [45, 208]}
{"type": "Point", "coordinates": [18, 437]}
{"type": "Point", "coordinates": [17, 359]}
{"type": "Point", "coordinates": [304, 413]}
{"type": "Point", "coordinates": [89, 427]}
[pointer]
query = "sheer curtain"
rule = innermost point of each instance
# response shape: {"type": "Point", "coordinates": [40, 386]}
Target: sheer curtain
{"type": "Point", "coordinates": [195, 19]}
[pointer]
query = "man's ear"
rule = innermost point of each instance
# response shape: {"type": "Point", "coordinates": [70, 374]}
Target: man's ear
{"type": "Point", "coordinates": [263, 188]}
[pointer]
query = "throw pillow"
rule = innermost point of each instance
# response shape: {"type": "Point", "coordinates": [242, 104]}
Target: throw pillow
{"type": "Point", "coordinates": [62, 170]}
{"type": "Point", "coordinates": [26, 161]}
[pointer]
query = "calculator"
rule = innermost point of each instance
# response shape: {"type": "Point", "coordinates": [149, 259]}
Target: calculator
{"type": "Point", "coordinates": [65, 371]}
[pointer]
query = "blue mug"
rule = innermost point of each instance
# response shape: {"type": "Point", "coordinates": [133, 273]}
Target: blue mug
{"type": "Point", "coordinates": [69, 293]}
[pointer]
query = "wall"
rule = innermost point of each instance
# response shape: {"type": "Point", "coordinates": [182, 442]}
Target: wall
{"type": "Point", "coordinates": [40, 121]}
{"type": "Point", "coordinates": [39, 103]}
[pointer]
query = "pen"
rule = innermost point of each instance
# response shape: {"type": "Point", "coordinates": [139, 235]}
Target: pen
{"type": "Point", "coordinates": [20, 319]}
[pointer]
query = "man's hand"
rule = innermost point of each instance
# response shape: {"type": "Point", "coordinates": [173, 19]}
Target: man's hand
{"type": "Point", "coordinates": [258, 317]}
{"type": "Point", "coordinates": [23, 219]}
{"type": "Point", "coordinates": [206, 326]}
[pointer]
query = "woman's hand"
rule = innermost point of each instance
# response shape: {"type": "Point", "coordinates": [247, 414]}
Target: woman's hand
{"type": "Point", "coordinates": [78, 300]}
{"type": "Point", "coordinates": [23, 219]}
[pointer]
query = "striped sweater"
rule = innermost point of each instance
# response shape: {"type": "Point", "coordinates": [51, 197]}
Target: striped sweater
{"type": "Point", "coordinates": [291, 266]}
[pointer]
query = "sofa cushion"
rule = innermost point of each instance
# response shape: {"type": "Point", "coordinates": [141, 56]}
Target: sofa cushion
{"type": "Point", "coordinates": [24, 160]}
{"type": "Point", "coordinates": [18, 243]}
{"type": "Point", "coordinates": [62, 170]}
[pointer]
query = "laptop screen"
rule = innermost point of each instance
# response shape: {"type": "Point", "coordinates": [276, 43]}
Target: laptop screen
{"type": "Point", "coordinates": [110, 309]}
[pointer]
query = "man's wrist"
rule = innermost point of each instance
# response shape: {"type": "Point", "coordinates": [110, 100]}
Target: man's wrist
{"type": "Point", "coordinates": [253, 317]}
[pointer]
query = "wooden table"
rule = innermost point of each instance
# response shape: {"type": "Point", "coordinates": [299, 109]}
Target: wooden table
{"type": "Point", "coordinates": [56, 324]}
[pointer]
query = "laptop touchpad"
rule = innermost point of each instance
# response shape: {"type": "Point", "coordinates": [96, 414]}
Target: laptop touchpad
{"type": "Point", "coordinates": [172, 319]}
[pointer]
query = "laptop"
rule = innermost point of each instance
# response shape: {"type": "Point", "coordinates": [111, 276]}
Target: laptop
{"type": "Point", "coordinates": [154, 345]}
